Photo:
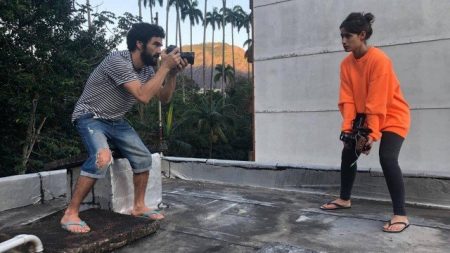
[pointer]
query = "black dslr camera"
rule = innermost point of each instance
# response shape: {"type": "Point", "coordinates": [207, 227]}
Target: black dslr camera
{"type": "Point", "coordinates": [359, 135]}
{"type": "Point", "coordinates": [189, 56]}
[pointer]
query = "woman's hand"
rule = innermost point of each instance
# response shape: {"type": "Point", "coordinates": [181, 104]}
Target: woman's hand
{"type": "Point", "coordinates": [368, 146]}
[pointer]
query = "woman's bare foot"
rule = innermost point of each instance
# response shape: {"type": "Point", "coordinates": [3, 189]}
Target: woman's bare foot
{"type": "Point", "coordinates": [337, 204]}
{"type": "Point", "coordinates": [397, 224]}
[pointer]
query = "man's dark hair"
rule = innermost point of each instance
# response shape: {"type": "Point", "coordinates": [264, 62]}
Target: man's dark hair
{"type": "Point", "coordinates": [357, 22]}
{"type": "Point", "coordinates": [143, 32]}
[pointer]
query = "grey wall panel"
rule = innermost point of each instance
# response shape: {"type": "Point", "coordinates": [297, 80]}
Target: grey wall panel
{"type": "Point", "coordinates": [312, 138]}
{"type": "Point", "coordinates": [262, 3]}
{"type": "Point", "coordinates": [54, 184]}
{"type": "Point", "coordinates": [307, 83]}
{"type": "Point", "coordinates": [310, 83]}
{"type": "Point", "coordinates": [302, 138]}
{"type": "Point", "coordinates": [422, 69]}
{"type": "Point", "coordinates": [23, 190]}
{"type": "Point", "coordinates": [427, 147]}
{"type": "Point", "coordinates": [312, 26]}
{"type": "Point", "coordinates": [298, 51]}
{"type": "Point", "coordinates": [17, 191]}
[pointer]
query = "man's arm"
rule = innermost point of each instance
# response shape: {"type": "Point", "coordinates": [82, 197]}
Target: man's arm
{"type": "Point", "coordinates": [145, 92]}
{"type": "Point", "coordinates": [165, 94]}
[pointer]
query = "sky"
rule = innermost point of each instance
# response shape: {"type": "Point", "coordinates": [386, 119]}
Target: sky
{"type": "Point", "coordinates": [120, 6]}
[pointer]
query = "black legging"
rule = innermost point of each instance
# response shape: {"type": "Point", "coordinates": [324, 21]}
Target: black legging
{"type": "Point", "coordinates": [389, 150]}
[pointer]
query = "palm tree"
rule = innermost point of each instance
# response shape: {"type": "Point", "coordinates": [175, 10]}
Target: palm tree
{"type": "Point", "coordinates": [88, 6]}
{"type": "Point", "coordinates": [171, 142]}
{"type": "Point", "coordinates": [177, 4]}
{"type": "Point", "coordinates": [249, 56]}
{"type": "Point", "coordinates": [168, 4]}
{"type": "Point", "coordinates": [180, 5]}
{"type": "Point", "coordinates": [151, 4]}
{"type": "Point", "coordinates": [204, 48]}
{"type": "Point", "coordinates": [212, 19]}
{"type": "Point", "coordinates": [223, 42]}
{"type": "Point", "coordinates": [141, 106]}
{"type": "Point", "coordinates": [195, 15]}
{"type": "Point", "coordinates": [249, 52]}
{"type": "Point", "coordinates": [244, 21]}
{"type": "Point", "coordinates": [177, 27]}
{"type": "Point", "coordinates": [211, 119]}
{"type": "Point", "coordinates": [140, 8]}
{"type": "Point", "coordinates": [227, 75]}
{"type": "Point", "coordinates": [232, 17]}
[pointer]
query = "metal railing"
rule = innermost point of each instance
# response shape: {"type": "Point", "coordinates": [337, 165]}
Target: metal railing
{"type": "Point", "coordinates": [20, 240]}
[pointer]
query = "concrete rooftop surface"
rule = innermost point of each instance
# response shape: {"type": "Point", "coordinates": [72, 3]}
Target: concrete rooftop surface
{"type": "Point", "coordinates": [209, 217]}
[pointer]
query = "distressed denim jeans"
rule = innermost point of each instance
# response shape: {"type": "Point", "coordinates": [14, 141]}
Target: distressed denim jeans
{"type": "Point", "coordinates": [97, 134]}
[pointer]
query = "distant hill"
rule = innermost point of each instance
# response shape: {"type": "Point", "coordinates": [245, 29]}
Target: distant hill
{"type": "Point", "coordinates": [239, 59]}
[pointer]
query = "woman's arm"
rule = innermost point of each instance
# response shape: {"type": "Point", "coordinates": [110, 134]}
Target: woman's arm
{"type": "Point", "coordinates": [377, 96]}
{"type": "Point", "coordinates": [346, 102]}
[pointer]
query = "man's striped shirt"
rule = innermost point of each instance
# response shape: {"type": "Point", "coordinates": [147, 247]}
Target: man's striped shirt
{"type": "Point", "coordinates": [104, 94]}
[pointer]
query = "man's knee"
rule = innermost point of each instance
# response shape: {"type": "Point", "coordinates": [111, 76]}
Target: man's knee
{"type": "Point", "coordinates": [104, 158]}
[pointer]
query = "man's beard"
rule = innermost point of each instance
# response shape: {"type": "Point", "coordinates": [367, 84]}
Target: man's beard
{"type": "Point", "coordinates": [148, 59]}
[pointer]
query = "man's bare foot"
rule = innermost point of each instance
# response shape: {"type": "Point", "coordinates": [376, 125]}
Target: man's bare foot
{"type": "Point", "coordinates": [397, 224]}
{"type": "Point", "coordinates": [145, 212]}
{"type": "Point", "coordinates": [73, 224]}
{"type": "Point", "coordinates": [337, 204]}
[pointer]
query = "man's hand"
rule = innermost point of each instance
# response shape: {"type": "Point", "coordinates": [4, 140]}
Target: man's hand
{"type": "Point", "coordinates": [172, 60]}
{"type": "Point", "coordinates": [180, 67]}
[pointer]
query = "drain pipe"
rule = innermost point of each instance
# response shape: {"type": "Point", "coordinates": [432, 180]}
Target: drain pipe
{"type": "Point", "coordinates": [22, 239]}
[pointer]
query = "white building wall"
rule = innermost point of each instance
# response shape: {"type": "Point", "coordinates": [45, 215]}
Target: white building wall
{"type": "Point", "coordinates": [297, 54]}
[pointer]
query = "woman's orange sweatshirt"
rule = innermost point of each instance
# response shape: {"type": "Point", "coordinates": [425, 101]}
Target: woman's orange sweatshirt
{"type": "Point", "coordinates": [369, 85]}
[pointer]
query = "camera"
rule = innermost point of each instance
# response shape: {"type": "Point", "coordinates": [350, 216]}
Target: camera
{"type": "Point", "coordinates": [189, 56]}
{"type": "Point", "coordinates": [359, 136]}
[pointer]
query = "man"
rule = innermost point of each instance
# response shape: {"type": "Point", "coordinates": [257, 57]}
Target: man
{"type": "Point", "coordinates": [122, 79]}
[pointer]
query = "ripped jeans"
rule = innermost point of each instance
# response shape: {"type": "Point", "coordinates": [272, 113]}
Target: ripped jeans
{"type": "Point", "coordinates": [97, 133]}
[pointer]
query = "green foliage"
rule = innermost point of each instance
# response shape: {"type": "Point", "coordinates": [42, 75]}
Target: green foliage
{"type": "Point", "coordinates": [190, 10]}
{"type": "Point", "coordinates": [221, 129]}
{"type": "Point", "coordinates": [213, 19]}
{"type": "Point", "coordinates": [228, 73]}
{"type": "Point", "coordinates": [47, 53]}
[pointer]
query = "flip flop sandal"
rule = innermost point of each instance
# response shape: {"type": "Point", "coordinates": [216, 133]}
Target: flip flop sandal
{"type": "Point", "coordinates": [81, 224]}
{"type": "Point", "coordinates": [337, 206]}
{"type": "Point", "coordinates": [406, 225]}
{"type": "Point", "coordinates": [148, 214]}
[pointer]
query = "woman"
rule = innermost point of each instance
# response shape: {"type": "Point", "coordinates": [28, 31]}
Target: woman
{"type": "Point", "coordinates": [369, 87]}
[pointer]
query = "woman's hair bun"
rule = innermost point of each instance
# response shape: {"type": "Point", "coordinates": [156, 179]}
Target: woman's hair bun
{"type": "Point", "coordinates": [369, 17]}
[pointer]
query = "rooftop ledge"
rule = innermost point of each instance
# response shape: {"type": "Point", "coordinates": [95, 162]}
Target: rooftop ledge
{"type": "Point", "coordinates": [238, 206]}
{"type": "Point", "coordinates": [284, 166]}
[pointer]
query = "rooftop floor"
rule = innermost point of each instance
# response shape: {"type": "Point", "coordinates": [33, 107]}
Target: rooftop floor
{"type": "Point", "coordinates": [206, 217]}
